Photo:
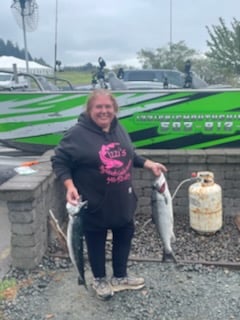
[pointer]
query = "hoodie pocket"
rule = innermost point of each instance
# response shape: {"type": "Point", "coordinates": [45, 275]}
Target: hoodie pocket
{"type": "Point", "coordinates": [119, 205]}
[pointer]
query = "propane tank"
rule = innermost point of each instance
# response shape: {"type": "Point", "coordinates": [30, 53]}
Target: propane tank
{"type": "Point", "coordinates": [205, 204]}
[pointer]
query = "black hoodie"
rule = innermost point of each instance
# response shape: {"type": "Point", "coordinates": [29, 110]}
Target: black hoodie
{"type": "Point", "coordinates": [100, 165]}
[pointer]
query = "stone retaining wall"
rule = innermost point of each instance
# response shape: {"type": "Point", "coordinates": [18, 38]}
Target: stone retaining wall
{"type": "Point", "coordinates": [30, 197]}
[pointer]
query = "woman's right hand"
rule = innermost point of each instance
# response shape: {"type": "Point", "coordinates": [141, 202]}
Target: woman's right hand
{"type": "Point", "coordinates": [72, 195]}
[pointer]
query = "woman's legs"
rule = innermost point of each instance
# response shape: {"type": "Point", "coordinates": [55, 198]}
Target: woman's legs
{"type": "Point", "coordinates": [121, 245]}
{"type": "Point", "coordinates": [96, 241]}
{"type": "Point", "coordinates": [120, 281]}
{"type": "Point", "coordinates": [122, 238]}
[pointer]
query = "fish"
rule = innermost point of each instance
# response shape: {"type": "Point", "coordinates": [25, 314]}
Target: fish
{"type": "Point", "coordinates": [162, 216]}
{"type": "Point", "coordinates": [75, 238]}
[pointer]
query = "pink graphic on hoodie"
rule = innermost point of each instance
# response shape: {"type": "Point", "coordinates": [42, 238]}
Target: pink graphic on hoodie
{"type": "Point", "coordinates": [107, 156]}
{"type": "Point", "coordinates": [115, 169]}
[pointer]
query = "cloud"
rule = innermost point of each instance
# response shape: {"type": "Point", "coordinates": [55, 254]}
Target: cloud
{"type": "Point", "coordinates": [113, 29]}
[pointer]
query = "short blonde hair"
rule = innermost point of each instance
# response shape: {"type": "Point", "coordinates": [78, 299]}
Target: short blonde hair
{"type": "Point", "coordinates": [100, 92]}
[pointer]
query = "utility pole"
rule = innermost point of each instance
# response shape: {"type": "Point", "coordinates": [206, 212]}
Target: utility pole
{"type": "Point", "coordinates": [55, 45]}
{"type": "Point", "coordinates": [170, 34]}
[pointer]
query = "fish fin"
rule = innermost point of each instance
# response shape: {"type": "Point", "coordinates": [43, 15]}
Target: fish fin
{"type": "Point", "coordinates": [169, 257]}
{"type": "Point", "coordinates": [173, 237]}
{"type": "Point", "coordinates": [153, 219]}
{"type": "Point", "coordinates": [82, 282]}
{"type": "Point", "coordinates": [165, 199]}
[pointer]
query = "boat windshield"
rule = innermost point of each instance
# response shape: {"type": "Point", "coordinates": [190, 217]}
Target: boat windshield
{"type": "Point", "coordinates": [174, 77]}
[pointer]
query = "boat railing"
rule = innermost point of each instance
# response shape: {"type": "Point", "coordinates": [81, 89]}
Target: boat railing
{"type": "Point", "coordinates": [37, 82]}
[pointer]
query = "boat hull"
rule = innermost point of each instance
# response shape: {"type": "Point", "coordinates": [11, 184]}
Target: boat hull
{"type": "Point", "coordinates": [170, 119]}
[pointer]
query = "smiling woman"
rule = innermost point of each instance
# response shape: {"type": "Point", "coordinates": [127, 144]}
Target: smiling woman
{"type": "Point", "coordinates": [102, 109]}
{"type": "Point", "coordinates": [95, 160]}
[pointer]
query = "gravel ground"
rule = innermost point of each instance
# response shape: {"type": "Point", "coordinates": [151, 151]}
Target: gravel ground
{"type": "Point", "coordinates": [172, 292]}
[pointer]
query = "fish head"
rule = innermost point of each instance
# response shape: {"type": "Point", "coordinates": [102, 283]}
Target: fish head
{"type": "Point", "coordinates": [160, 187]}
{"type": "Point", "coordinates": [160, 184]}
{"type": "Point", "coordinates": [76, 210]}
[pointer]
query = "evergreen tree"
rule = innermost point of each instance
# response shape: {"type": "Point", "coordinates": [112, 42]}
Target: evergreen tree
{"type": "Point", "coordinates": [10, 49]}
{"type": "Point", "coordinates": [2, 47]}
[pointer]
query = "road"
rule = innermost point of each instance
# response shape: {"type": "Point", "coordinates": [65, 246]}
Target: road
{"type": "Point", "coordinates": [9, 159]}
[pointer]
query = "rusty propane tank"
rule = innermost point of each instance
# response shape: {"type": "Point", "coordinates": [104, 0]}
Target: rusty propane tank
{"type": "Point", "coordinates": [205, 204]}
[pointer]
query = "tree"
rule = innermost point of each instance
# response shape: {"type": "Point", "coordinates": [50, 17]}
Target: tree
{"type": "Point", "coordinates": [9, 49]}
{"type": "Point", "coordinates": [2, 47]}
{"type": "Point", "coordinates": [118, 66]}
{"type": "Point", "coordinates": [206, 70]}
{"type": "Point", "coordinates": [224, 45]}
{"type": "Point", "coordinates": [164, 58]}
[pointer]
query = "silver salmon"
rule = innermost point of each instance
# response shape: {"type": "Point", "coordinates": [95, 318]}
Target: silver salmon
{"type": "Point", "coordinates": [162, 215]}
{"type": "Point", "coordinates": [75, 238]}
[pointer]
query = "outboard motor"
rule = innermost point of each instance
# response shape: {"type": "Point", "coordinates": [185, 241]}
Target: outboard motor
{"type": "Point", "coordinates": [102, 63]}
{"type": "Point", "coordinates": [99, 76]}
{"type": "Point", "coordinates": [120, 73]}
{"type": "Point", "coordinates": [187, 67]}
{"type": "Point", "coordinates": [165, 82]}
{"type": "Point", "coordinates": [188, 82]}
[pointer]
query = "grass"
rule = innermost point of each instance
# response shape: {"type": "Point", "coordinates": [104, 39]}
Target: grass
{"type": "Point", "coordinates": [8, 289]}
{"type": "Point", "coordinates": [75, 77]}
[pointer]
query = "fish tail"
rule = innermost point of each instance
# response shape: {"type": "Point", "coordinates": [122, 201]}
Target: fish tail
{"type": "Point", "coordinates": [169, 257]}
{"type": "Point", "coordinates": [82, 282]}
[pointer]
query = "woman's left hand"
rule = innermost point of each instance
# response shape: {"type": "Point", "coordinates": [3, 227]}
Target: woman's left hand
{"type": "Point", "coordinates": [156, 167]}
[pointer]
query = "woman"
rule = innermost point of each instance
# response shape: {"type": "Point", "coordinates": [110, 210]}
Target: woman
{"type": "Point", "coordinates": [95, 160]}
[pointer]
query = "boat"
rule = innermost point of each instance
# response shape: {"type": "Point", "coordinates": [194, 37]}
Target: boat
{"type": "Point", "coordinates": [161, 79]}
{"type": "Point", "coordinates": [28, 82]}
{"type": "Point", "coordinates": [156, 119]}
{"type": "Point", "coordinates": [34, 120]}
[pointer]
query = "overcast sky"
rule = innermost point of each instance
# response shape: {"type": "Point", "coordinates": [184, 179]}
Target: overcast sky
{"type": "Point", "coordinates": [115, 29]}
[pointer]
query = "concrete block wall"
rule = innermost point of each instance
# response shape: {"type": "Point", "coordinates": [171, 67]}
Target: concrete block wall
{"type": "Point", "coordinates": [224, 163]}
{"type": "Point", "coordinates": [30, 197]}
